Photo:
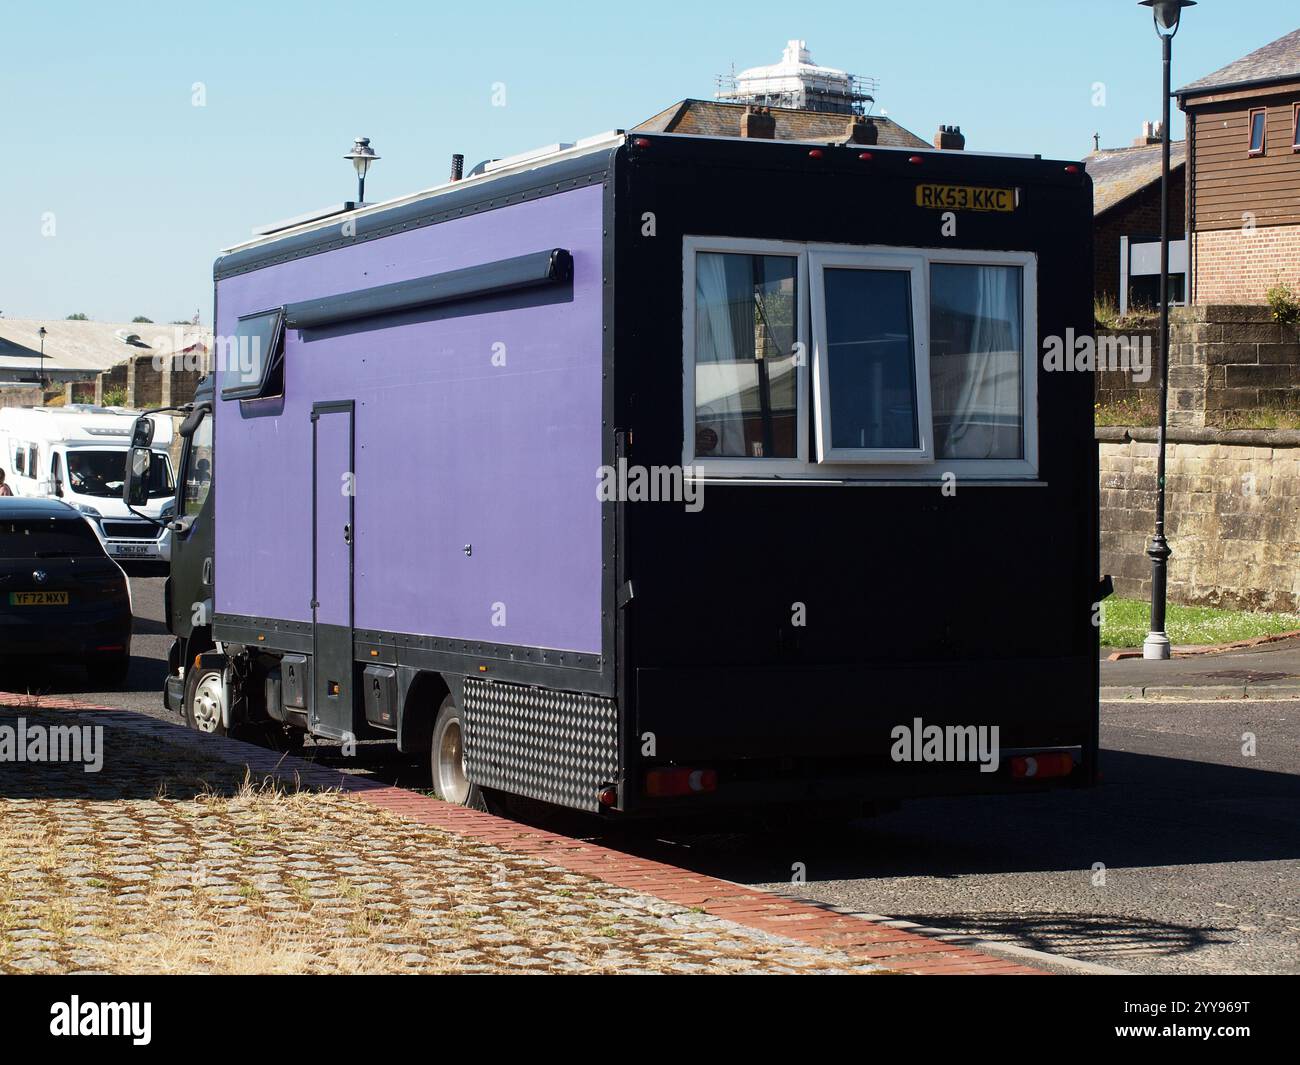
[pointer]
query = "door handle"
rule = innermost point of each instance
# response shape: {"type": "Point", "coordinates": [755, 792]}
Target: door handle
{"type": "Point", "coordinates": [347, 534]}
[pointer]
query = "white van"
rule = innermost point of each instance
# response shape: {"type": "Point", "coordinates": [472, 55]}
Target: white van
{"type": "Point", "coordinates": [77, 454]}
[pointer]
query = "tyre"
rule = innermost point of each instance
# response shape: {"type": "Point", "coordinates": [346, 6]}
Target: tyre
{"type": "Point", "coordinates": [109, 674]}
{"type": "Point", "coordinates": [205, 700]}
{"type": "Point", "coordinates": [447, 761]}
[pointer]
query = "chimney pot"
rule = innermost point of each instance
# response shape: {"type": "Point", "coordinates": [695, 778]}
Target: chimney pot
{"type": "Point", "coordinates": [757, 122]}
{"type": "Point", "coordinates": [862, 130]}
{"type": "Point", "coordinates": [950, 138]}
{"type": "Point", "coordinates": [457, 167]}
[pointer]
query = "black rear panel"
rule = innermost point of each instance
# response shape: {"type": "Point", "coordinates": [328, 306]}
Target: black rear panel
{"type": "Point", "coordinates": [969, 608]}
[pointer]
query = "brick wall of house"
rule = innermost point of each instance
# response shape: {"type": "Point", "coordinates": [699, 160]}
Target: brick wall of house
{"type": "Point", "coordinates": [1241, 265]}
{"type": "Point", "coordinates": [1138, 216]}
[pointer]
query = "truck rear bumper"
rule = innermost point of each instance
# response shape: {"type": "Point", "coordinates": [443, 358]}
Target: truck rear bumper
{"type": "Point", "coordinates": [851, 712]}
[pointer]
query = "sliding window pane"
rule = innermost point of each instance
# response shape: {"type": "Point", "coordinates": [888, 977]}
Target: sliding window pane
{"type": "Point", "coordinates": [871, 359]}
{"type": "Point", "coordinates": [977, 361]}
{"type": "Point", "coordinates": [746, 395]}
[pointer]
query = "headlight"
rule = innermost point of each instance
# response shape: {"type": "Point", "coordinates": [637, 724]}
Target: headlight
{"type": "Point", "coordinates": [90, 512]}
{"type": "Point", "coordinates": [168, 510]}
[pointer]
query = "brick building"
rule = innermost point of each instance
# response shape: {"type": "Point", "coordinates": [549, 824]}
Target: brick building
{"type": "Point", "coordinates": [1243, 125]}
{"type": "Point", "coordinates": [1126, 220]}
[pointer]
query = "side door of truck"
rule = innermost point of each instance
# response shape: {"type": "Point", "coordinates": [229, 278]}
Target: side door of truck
{"type": "Point", "coordinates": [333, 514]}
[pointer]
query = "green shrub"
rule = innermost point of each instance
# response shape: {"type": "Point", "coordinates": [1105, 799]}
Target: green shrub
{"type": "Point", "coordinates": [1285, 304]}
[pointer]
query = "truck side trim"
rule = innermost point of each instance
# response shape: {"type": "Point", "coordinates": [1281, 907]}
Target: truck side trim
{"type": "Point", "coordinates": [473, 197]}
{"type": "Point", "coordinates": [553, 266]}
{"type": "Point", "coordinates": [552, 667]}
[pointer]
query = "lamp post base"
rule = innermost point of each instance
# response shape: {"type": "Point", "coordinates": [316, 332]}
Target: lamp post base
{"type": "Point", "coordinates": [1156, 646]}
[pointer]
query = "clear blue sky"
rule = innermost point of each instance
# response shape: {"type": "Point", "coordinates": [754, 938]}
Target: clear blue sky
{"type": "Point", "coordinates": [144, 188]}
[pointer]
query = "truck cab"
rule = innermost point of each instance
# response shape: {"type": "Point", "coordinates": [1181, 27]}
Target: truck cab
{"type": "Point", "coordinates": [78, 454]}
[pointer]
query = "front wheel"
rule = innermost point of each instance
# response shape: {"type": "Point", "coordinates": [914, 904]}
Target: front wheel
{"type": "Point", "coordinates": [205, 695]}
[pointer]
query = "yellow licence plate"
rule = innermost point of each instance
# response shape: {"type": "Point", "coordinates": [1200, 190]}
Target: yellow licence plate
{"type": "Point", "coordinates": [965, 198]}
{"type": "Point", "coordinates": [38, 598]}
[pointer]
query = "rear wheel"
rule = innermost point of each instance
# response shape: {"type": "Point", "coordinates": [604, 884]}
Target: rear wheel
{"type": "Point", "coordinates": [447, 760]}
{"type": "Point", "coordinates": [205, 709]}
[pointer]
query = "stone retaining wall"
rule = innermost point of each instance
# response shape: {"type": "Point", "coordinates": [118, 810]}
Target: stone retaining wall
{"type": "Point", "coordinates": [1232, 515]}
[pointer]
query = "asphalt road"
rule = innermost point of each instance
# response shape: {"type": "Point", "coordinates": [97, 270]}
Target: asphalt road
{"type": "Point", "coordinates": [1200, 844]}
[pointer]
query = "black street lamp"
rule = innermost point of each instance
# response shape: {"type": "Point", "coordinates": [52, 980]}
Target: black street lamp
{"type": "Point", "coordinates": [1166, 14]}
{"type": "Point", "coordinates": [42, 334]}
{"type": "Point", "coordinates": [362, 155]}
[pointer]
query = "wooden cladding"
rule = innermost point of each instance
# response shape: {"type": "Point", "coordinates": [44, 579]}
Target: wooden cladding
{"type": "Point", "coordinates": [1239, 175]}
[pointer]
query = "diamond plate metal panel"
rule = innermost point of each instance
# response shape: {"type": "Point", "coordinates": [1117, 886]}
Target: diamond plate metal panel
{"type": "Point", "coordinates": [560, 747]}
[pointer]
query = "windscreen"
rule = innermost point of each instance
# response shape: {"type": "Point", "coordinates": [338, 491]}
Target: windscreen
{"type": "Point", "coordinates": [70, 537]}
{"type": "Point", "coordinates": [100, 474]}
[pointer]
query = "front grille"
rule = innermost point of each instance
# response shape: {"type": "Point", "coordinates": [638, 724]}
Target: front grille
{"type": "Point", "coordinates": [130, 530]}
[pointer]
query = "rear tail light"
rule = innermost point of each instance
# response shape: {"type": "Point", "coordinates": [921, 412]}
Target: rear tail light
{"type": "Point", "coordinates": [1042, 766]}
{"type": "Point", "coordinates": [661, 783]}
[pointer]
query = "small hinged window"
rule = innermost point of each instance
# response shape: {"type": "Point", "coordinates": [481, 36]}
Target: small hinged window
{"type": "Point", "coordinates": [1258, 131]}
{"type": "Point", "coordinates": [251, 363]}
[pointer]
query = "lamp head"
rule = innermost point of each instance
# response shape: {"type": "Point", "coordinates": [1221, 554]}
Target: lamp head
{"type": "Point", "coordinates": [1167, 14]}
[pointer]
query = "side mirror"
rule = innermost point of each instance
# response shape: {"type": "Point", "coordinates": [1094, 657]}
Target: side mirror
{"type": "Point", "coordinates": [142, 432]}
{"type": "Point", "coordinates": [135, 485]}
{"type": "Point", "coordinates": [192, 420]}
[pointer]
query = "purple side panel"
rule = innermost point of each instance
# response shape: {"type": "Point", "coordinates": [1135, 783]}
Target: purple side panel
{"type": "Point", "coordinates": [451, 449]}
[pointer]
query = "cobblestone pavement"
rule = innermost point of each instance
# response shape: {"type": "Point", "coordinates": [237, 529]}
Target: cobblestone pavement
{"type": "Point", "coordinates": [165, 861]}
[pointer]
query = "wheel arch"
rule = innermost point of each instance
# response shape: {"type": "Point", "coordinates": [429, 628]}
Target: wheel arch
{"type": "Point", "coordinates": [419, 695]}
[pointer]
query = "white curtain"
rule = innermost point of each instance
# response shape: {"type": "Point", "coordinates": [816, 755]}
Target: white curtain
{"type": "Point", "coordinates": [979, 380]}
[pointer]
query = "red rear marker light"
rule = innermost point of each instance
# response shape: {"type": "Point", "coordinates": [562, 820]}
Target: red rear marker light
{"type": "Point", "coordinates": [866, 157]}
{"type": "Point", "coordinates": [642, 142]}
{"type": "Point", "coordinates": [607, 796]}
{"type": "Point", "coordinates": [816, 153]}
{"type": "Point", "coordinates": [1071, 169]}
{"type": "Point", "coordinates": [660, 783]}
{"type": "Point", "coordinates": [915, 160]}
{"type": "Point", "coordinates": [1042, 766]}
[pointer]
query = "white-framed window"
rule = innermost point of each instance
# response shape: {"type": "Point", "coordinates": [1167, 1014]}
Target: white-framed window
{"type": "Point", "coordinates": [871, 396]}
{"type": "Point", "coordinates": [745, 382]}
{"type": "Point", "coordinates": [902, 364]}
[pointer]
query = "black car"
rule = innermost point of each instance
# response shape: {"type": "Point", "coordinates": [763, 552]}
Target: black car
{"type": "Point", "coordinates": [62, 599]}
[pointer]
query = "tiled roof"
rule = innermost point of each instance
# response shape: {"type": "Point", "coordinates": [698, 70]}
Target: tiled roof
{"type": "Point", "coordinates": [713, 118]}
{"type": "Point", "coordinates": [1274, 62]}
{"type": "Point", "coordinates": [1118, 173]}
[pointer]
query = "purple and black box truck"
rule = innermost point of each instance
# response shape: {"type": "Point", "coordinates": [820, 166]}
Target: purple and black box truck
{"type": "Point", "coordinates": [660, 474]}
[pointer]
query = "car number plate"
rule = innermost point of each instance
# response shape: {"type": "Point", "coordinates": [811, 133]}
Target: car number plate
{"type": "Point", "coordinates": [38, 598]}
{"type": "Point", "coordinates": [966, 198]}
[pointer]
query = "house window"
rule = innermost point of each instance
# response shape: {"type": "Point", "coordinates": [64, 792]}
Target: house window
{"type": "Point", "coordinates": [744, 384]}
{"type": "Point", "coordinates": [919, 362]}
{"type": "Point", "coordinates": [1295, 129]}
{"type": "Point", "coordinates": [1258, 122]}
{"type": "Point", "coordinates": [872, 398]}
{"type": "Point", "coordinates": [251, 363]}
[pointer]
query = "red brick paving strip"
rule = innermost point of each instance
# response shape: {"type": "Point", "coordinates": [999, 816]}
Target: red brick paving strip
{"type": "Point", "coordinates": [799, 919]}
